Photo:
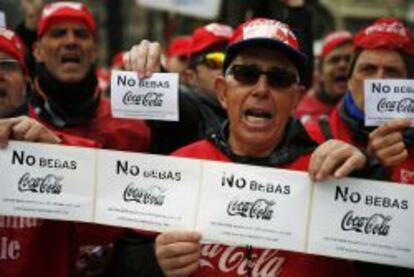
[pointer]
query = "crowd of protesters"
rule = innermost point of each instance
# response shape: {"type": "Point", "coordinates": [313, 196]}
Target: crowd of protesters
{"type": "Point", "coordinates": [245, 96]}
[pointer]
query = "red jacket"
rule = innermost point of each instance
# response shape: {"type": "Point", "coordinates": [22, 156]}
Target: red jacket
{"type": "Point", "coordinates": [222, 260]}
{"type": "Point", "coordinates": [404, 172]}
{"type": "Point", "coordinates": [108, 132]}
{"type": "Point", "coordinates": [312, 108]}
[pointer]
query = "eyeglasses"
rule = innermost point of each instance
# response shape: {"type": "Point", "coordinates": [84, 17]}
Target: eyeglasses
{"type": "Point", "coordinates": [9, 65]}
{"type": "Point", "coordinates": [213, 60]}
{"type": "Point", "coordinates": [277, 78]}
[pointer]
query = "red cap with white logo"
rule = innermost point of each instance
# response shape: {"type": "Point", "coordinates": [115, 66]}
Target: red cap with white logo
{"type": "Point", "coordinates": [209, 35]}
{"type": "Point", "coordinates": [11, 44]}
{"type": "Point", "coordinates": [333, 40]}
{"type": "Point", "coordinates": [65, 11]}
{"type": "Point", "coordinates": [385, 33]}
{"type": "Point", "coordinates": [267, 33]}
{"type": "Point", "coordinates": [180, 46]}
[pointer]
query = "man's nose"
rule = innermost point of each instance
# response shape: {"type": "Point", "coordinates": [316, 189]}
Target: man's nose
{"type": "Point", "coordinates": [71, 38]}
{"type": "Point", "coordinates": [262, 86]}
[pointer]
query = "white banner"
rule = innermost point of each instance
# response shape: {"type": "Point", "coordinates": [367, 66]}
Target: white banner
{"type": "Point", "coordinates": [363, 219]}
{"type": "Point", "coordinates": [252, 205]}
{"type": "Point", "coordinates": [150, 192]}
{"type": "Point", "coordinates": [47, 181]}
{"type": "Point", "coordinates": [228, 203]}
{"type": "Point", "coordinates": [388, 99]}
{"type": "Point", "coordinates": [155, 98]}
{"type": "Point", "coordinates": [208, 9]}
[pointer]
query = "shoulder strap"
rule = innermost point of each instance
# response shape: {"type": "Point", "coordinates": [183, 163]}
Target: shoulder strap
{"type": "Point", "coordinates": [325, 128]}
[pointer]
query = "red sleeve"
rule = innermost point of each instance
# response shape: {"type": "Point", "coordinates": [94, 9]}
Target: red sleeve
{"type": "Point", "coordinates": [71, 140]}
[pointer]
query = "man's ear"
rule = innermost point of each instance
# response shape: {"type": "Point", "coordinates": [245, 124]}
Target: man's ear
{"type": "Point", "coordinates": [220, 86]}
{"type": "Point", "coordinates": [37, 51]}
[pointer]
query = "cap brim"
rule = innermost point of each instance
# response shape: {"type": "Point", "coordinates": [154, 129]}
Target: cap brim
{"type": "Point", "coordinates": [297, 57]}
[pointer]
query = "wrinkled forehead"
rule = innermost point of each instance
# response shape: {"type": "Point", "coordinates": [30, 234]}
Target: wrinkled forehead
{"type": "Point", "coordinates": [264, 57]}
{"type": "Point", "coordinates": [67, 24]}
{"type": "Point", "coordinates": [382, 57]}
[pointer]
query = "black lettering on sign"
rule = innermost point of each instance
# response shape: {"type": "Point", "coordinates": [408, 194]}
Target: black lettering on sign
{"type": "Point", "coordinates": [259, 209]}
{"type": "Point", "coordinates": [125, 168]}
{"type": "Point", "coordinates": [376, 224]}
{"type": "Point", "coordinates": [344, 195]}
{"type": "Point", "coordinates": [21, 158]}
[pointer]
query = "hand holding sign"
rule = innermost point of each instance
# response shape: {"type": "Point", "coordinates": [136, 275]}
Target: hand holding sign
{"type": "Point", "coordinates": [27, 129]}
{"type": "Point", "coordinates": [178, 253]}
{"type": "Point", "coordinates": [336, 158]}
{"type": "Point", "coordinates": [387, 144]}
{"type": "Point", "coordinates": [144, 58]}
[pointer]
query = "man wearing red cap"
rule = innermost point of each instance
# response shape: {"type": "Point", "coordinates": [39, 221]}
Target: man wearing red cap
{"type": "Point", "coordinates": [200, 112]}
{"type": "Point", "coordinates": [333, 68]}
{"type": "Point", "coordinates": [259, 89]}
{"type": "Point", "coordinates": [66, 95]}
{"type": "Point", "coordinates": [177, 55]}
{"type": "Point", "coordinates": [383, 50]}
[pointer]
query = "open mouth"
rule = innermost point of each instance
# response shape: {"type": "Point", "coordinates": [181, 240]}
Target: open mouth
{"type": "Point", "coordinates": [70, 60]}
{"type": "Point", "coordinates": [340, 78]}
{"type": "Point", "coordinates": [258, 115]}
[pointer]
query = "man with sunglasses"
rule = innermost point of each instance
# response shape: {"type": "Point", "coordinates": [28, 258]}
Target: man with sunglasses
{"type": "Point", "coordinates": [259, 90]}
{"type": "Point", "coordinates": [200, 112]}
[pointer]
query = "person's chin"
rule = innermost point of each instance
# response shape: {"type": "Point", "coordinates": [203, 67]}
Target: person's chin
{"type": "Point", "coordinates": [70, 78]}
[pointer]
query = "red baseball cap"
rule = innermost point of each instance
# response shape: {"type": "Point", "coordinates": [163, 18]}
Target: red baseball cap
{"type": "Point", "coordinates": [385, 33]}
{"type": "Point", "coordinates": [65, 11]}
{"type": "Point", "coordinates": [333, 40]}
{"type": "Point", "coordinates": [209, 35]}
{"type": "Point", "coordinates": [180, 46]}
{"type": "Point", "coordinates": [11, 44]}
{"type": "Point", "coordinates": [265, 33]}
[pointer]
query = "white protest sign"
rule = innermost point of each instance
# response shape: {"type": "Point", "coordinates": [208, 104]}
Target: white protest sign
{"type": "Point", "coordinates": [388, 99]}
{"type": "Point", "coordinates": [363, 220]}
{"type": "Point", "coordinates": [2, 19]}
{"type": "Point", "coordinates": [148, 192]}
{"type": "Point", "coordinates": [47, 181]}
{"type": "Point", "coordinates": [155, 98]}
{"type": "Point", "coordinates": [208, 9]}
{"type": "Point", "coordinates": [264, 207]}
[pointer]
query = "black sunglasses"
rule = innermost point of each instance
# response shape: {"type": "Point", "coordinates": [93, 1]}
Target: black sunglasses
{"type": "Point", "coordinates": [277, 78]}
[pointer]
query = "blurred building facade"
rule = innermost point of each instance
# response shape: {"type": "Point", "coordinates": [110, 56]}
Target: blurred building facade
{"type": "Point", "coordinates": [124, 22]}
